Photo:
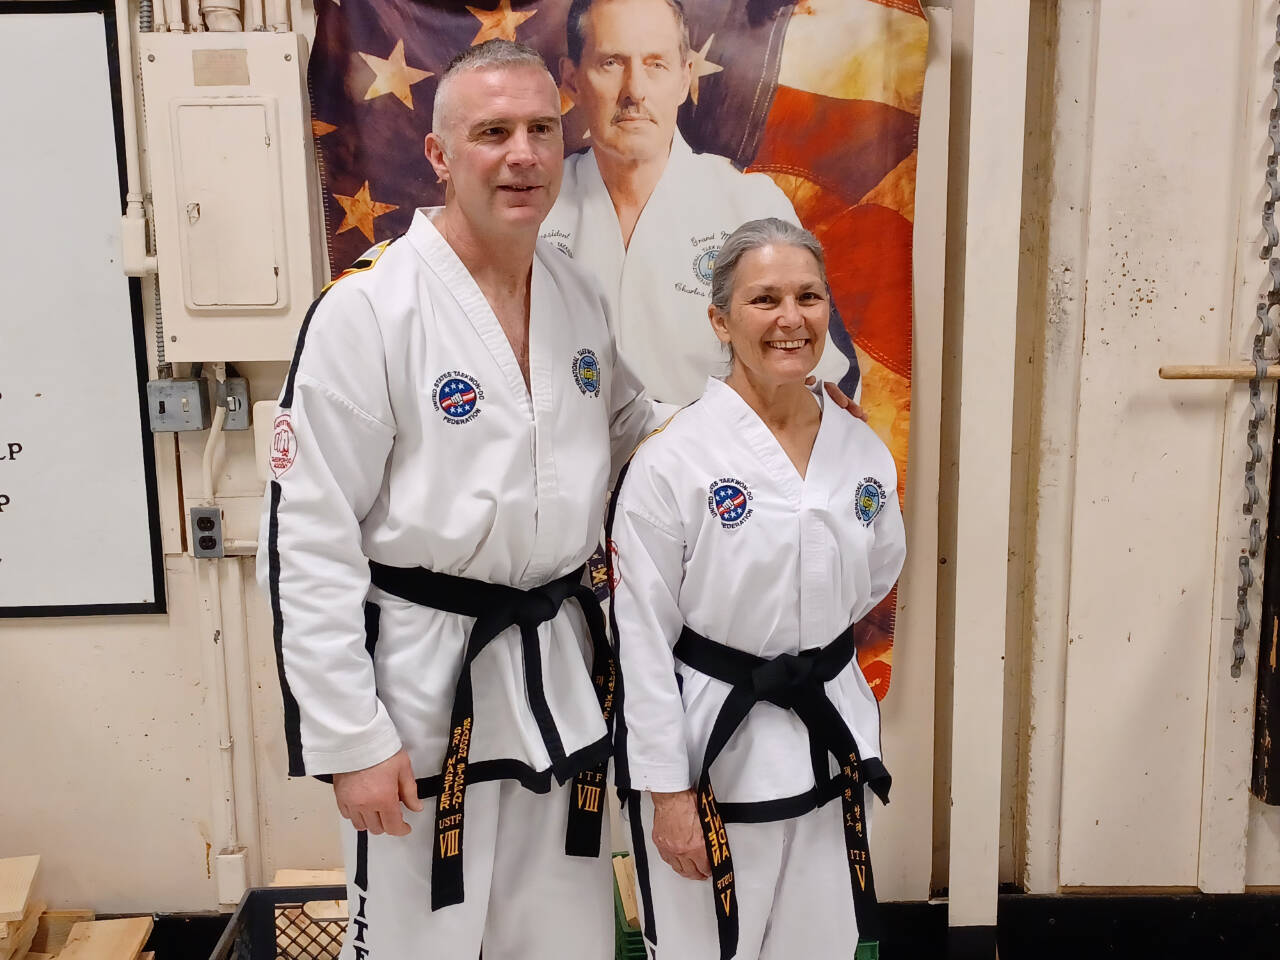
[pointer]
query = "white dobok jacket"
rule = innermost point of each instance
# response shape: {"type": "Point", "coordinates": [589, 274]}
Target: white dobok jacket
{"type": "Point", "coordinates": [659, 285]}
{"type": "Point", "coordinates": [406, 436]}
{"type": "Point", "coordinates": [715, 529]}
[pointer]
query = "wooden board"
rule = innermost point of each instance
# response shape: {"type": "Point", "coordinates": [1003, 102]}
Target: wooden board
{"type": "Point", "coordinates": [325, 910]}
{"type": "Point", "coordinates": [19, 941]}
{"type": "Point", "coordinates": [624, 872]}
{"type": "Point", "coordinates": [107, 939]}
{"type": "Point", "coordinates": [55, 926]}
{"type": "Point", "coordinates": [16, 875]}
{"type": "Point", "coordinates": [310, 878]}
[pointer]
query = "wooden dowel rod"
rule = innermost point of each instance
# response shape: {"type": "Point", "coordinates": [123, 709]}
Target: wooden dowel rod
{"type": "Point", "coordinates": [1234, 371]}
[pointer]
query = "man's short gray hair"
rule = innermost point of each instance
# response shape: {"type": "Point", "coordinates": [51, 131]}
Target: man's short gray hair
{"type": "Point", "coordinates": [491, 53]}
{"type": "Point", "coordinates": [753, 235]}
{"type": "Point", "coordinates": [576, 36]}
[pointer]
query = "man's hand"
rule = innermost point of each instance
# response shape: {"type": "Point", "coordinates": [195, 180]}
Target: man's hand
{"type": "Point", "coordinates": [841, 400]}
{"type": "Point", "coordinates": [677, 833]}
{"type": "Point", "coordinates": [370, 798]}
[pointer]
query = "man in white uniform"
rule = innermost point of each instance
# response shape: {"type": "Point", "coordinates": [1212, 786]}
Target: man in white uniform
{"type": "Point", "coordinates": [642, 212]}
{"type": "Point", "coordinates": [441, 457]}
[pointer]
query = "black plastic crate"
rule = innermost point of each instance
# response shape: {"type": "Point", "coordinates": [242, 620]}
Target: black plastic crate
{"type": "Point", "coordinates": [270, 924]}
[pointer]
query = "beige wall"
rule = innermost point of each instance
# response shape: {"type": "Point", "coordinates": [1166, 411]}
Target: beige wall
{"type": "Point", "coordinates": [113, 766]}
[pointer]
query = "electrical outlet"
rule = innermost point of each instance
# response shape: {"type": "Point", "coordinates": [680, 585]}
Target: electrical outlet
{"type": "Point", "coordinates": [178, 404]}
{"type": "Point", "coordinates": [206, 532]}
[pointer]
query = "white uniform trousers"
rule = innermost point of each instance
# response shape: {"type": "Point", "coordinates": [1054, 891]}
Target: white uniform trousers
{"type": "Point", "coordinates": [525, 899]}
{"type": "Point", "coordinates": [792, 884]}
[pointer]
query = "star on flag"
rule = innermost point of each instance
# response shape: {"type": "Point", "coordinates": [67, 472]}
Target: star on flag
{"type": "Point", "coordinates": [393, 76]}
{"type": "Point", "coordinates": [702, 67]}
{"type": "Point", "coordinates": [361, 210]}
{"type": "Point", "coordinates": [500, 22]}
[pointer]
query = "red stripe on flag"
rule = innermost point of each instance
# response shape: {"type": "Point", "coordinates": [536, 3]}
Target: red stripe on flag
{"type": "Point", "coordinates": [869, 269]}
{"type": "Point", "coordinates": [844, 146]}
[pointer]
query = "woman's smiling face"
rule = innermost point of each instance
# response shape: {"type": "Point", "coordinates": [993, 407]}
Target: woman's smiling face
{"type": "Point", "coordinates": [778, 311]}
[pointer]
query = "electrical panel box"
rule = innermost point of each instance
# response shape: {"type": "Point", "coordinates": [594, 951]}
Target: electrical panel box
{"type": "Point", "coordinates": [239, 242]}
{"type": "Point", "coordinates": [178, 404]}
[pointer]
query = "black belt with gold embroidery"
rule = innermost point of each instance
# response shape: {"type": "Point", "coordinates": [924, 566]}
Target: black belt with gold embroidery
{"type": "Point", "coordinates": [496, 607]}
{"type": "Point", "coordinates": [793, 682]}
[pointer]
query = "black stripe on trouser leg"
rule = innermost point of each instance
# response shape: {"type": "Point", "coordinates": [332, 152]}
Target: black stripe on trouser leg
{"type": "Point", "coordinates": [292, 716]}
{"type": "Point", "coordinates": [641, 854]}
{"type": "Point", "coordinates": [586, 802]}
{"type": "Point", "coordinates": [362, 860]}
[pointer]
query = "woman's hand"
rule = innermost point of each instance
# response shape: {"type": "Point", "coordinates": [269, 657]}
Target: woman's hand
{"type": "Point", "coordinates": [677, 833]}
{"type": "Point", "coordinates": [840, 398]}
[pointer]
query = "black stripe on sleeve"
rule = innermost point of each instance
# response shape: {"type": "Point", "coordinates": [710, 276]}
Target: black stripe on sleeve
{"type": "Point", "coordinates": [372, 621]}
{"type": "Point", "coordinates": [286, 398]}
{"type": "Point", "coordinates": [292, 719]}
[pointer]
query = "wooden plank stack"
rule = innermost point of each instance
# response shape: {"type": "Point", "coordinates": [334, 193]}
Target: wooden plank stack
{"type": "Point", "coordinates": [30, 932]}
{"type": "Point", "coordinates": [19, 912]}
{"type": "Point", "coordinates": [107, 939]}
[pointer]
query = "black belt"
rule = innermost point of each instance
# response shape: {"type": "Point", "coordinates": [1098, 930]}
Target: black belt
{"type": "Point", "coordinates": [793, 682]}
{"type": "Point", "coordinates": [495, 608]}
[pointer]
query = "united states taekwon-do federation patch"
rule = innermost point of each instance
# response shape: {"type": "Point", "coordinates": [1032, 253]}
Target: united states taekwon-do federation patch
{"type": "Point", "coordinates": [869, 500]}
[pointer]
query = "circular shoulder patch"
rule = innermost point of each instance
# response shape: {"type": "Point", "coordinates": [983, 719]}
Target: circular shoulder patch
{"type": "Point", "coordinates": [704, 264]}
{"type": "Point", "coordinates": [457, 396]}
{"type": "Point", "coordinates": [586, 372]}
{"type": "Point", "coordinates": [729, 501]}
{"type": "Point", "coordinates": [869, 500]}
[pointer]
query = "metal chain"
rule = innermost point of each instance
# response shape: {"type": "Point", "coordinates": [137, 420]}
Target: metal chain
{"type": "Point", "coordinates": [1257, 409]}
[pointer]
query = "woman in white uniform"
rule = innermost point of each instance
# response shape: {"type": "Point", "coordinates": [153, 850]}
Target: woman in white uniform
{"type": "Point", "coordinates": [748, 536]}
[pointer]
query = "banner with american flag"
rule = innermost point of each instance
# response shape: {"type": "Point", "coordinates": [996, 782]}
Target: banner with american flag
{"type": "Point", "coordinates": [823, 96]}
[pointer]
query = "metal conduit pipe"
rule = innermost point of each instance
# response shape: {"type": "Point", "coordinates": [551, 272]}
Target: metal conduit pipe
{"type": "Point", "coordinates": [134, 227]}
{"type": "Point", "coordinates": [277, 15]}
{"type": "Point", "coordinates": [231, 833]}
{"type": "Point", "coordinates": [144, 16]}
{"type": "Point", "coordinates": [173, 16]}
{"type": "Point", "coordinates": [221, 16]}
{"type": "Point", "coordinates": [253, 16]}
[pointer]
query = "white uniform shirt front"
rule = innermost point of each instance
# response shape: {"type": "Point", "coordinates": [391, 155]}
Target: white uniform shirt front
{"type": "Point", "coordinates": [407, 436]}
{"type": "Point", "coordinates": [714, 528]}
{"type": "Point", "coordinates": [659, 285]}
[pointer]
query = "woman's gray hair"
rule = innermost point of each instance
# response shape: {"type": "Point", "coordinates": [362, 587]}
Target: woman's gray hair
{"type": "Point", "coordinates": [751, 236]}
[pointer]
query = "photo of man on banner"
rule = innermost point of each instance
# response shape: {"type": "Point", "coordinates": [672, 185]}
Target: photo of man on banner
{"type": "Point", "coordinates": [681, 121]}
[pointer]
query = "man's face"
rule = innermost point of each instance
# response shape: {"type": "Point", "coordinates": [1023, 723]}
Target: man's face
{"type": "Point", "coordinates": [632, 78]}
{"type": "Point", "coordinates": [501, 149]}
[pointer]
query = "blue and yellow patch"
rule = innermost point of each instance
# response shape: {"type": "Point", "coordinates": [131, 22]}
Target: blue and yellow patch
{"type": "Point", "coordinates": [586, 372]}
{"type": "Point", "coordinates": [869, 500]}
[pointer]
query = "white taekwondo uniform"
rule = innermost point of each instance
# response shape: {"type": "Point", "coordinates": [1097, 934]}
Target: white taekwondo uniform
{"type": "Point", "coordinates": [715, 532]}
{"type": "Point", "coordinates": [659, 285]}
{"type": "Point", "coordinates": [407, 442]}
